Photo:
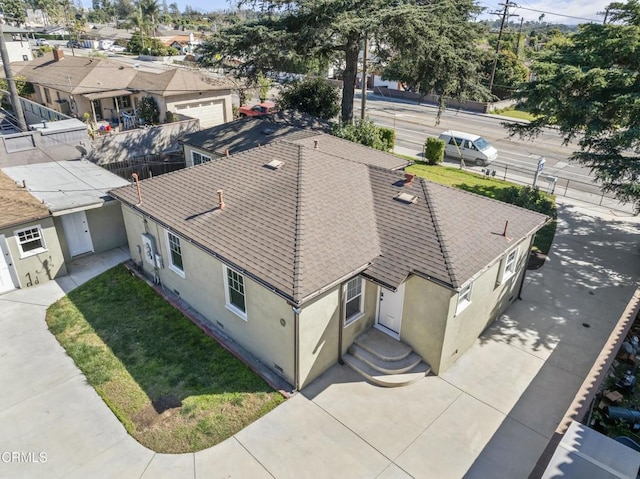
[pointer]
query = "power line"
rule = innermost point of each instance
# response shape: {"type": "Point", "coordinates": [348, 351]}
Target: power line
{"type": "Point", "coordinates": [554, 13]}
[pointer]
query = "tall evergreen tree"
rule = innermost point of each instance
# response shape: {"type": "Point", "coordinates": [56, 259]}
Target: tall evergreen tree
{"type": "Point", "coordinates": [589, 89]}
{"type": "Point", "coordinates": [288, 34]}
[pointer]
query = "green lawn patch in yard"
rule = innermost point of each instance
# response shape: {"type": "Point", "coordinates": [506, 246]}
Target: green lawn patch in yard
{"type": "Point", "coordinates": [174, 388]}
{"type": "Point", "coordinates": [485, 186]}
{"type": "Point", "coordinates": [517, 114]}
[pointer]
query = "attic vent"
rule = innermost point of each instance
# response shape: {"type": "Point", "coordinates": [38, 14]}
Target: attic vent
{"type": "Point", "coordinates": [274, 164]}
{"type": "Point", "coordinates": [406, 198]}
{"type": "Point", "coordinates": [268, 131]}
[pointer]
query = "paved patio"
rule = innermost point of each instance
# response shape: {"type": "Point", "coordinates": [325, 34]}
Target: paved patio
{"type": "Point", "coordinates": [490, 415]}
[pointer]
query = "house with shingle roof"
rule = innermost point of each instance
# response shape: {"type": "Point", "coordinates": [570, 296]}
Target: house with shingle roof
{"type": "Point", "coordinates": [298, 248]}
{"type": "Point", "coordinates": [111, 91]}
{"type": "Point", "coordinates": [30, 251]}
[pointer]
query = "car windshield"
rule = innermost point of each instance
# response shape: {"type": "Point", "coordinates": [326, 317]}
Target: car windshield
{"type": "Point", "coordinates": [481, 143]}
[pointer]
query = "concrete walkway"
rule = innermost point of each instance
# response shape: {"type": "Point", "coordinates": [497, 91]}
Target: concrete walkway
{"type": "Point", "coordinates": [489, 416]}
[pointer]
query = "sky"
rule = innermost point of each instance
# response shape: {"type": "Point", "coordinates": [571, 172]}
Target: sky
{"type": "Point", "coordinates": [556, 11]}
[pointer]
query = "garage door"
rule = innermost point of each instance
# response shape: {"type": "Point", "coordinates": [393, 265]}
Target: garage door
{"type": "Point", "coordinates": [210, 113]}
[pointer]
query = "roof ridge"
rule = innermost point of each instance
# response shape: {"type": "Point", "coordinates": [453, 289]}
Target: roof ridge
{"type": "Point", "coordinates": [439, 233]}
{"type": "Point", "coordinates": [297, 253]}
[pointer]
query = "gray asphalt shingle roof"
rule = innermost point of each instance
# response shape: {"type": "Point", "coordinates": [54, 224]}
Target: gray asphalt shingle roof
{"type": "Point", "coordinates": [320, 218]}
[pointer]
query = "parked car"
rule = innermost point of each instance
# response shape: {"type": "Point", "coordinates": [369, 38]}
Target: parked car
{"type": "Point", "coordinates": [260, 109]}
{"type": "Point", "coordinates": [117, 48]}
{"type": "Point", "coordinates": [73, 44]}
{"type": "Point", "coordinates": [468, 146]}
{"type": "Point", "coordinates": [41, 42]}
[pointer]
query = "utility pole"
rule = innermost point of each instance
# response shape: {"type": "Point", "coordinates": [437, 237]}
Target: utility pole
{"type": "Point", "coordinates": [505, 12]}
{"type": "Point", "coordinates": [363, 105]}
{"type": "Point", "coordinates": [606, 15]}
{"type": "Point", "coordinates": [13, 92]}
{"type": "Point", "coordinates": [65, 5]}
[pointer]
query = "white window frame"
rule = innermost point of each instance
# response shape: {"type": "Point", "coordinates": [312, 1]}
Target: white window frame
{"type": "Point", "coordinates": [41, 249]}
{"type": "Point", "coordinates": [464, 297]}
{"type": "Point", "coordinates": [172, 266]}
{"type": "Point", "coordinates": [230, 306]}
{"type": "Point", "coordinates": [360, 312]}
{"type": "Point", "coordinates": [510, 264]}
{"type": "Point", "coordinates": [202, 158]}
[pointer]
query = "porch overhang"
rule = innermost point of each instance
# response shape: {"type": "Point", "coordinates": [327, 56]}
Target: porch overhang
{"type": "Point", "coordinates": [106, 94]}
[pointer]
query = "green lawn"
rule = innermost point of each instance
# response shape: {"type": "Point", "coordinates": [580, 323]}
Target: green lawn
{"type": "Point", "coordinates": [482, 185]}
{"type": "Point", "coordinates": [173, 387]}
{"type": "Point", "coordinates": [517, 114]}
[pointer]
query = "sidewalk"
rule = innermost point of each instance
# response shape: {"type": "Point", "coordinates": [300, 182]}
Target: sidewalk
{"type": "Point", "coordinates": [489, 416]}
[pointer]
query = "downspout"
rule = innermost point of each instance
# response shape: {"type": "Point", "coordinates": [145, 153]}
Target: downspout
{"type": "Point", "coordinates": [524, 273]}
{"type": "Point", "coordinates": [296, 349]}
{"type": "Point", "coordinates": [340, 325]}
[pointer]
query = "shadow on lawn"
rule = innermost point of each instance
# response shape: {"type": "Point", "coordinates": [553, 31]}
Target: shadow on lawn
{"type": "Point", "coordinates": [168, 356]}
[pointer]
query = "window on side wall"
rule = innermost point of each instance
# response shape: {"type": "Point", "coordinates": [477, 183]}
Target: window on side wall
{"type": "Point", "coordinates": [30, 241]}
{"type": "Point", "coordinates": [464, 297]}
{"type": "Point", "coordinates": [234, 292]}
{"type": "Point", "coordinates": [47, 95]}
{"type": "Point", "coordinates": [354, 300]}
{"type": "Point", "coordinates": [199, 158]}
{"type": "Point", "coordinates": [510, 264]}
{"type": "Point", "coordinates": [175, 254]}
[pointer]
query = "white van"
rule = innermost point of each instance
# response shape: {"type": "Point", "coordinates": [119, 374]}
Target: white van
{"type": "Point", "coordinates": [472, 148]}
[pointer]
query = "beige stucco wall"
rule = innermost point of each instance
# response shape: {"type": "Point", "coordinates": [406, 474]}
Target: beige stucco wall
{"type": "Point", "coordinates": [107, 227]}
{"type": "Point", "coordinates": [40, 267]}
{"type": "Point", "coordinates": [424, 318]}
{"type": "Point", "coordinates": [357, 327]}
{"type": "Point", "coordinates": [488, 300]}
{"type": "Point", "coordinates": [203, 287]}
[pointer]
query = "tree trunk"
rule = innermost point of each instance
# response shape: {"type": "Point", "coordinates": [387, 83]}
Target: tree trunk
{"type": "Point", "coordinates": [349, 77]}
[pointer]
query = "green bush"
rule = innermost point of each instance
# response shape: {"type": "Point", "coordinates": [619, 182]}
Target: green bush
{"type": "Point", "coordinates": [388, 137]}
{"type": "Point", "coordinates": [531, 199]}
{"type": "Point", "coordinates": [434, 151]}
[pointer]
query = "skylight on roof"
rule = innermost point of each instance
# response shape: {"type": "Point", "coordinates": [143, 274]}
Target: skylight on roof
{"type": "Point", "coordinates": [274, 164]}
{"type": "Point", "coordinates": [406, 198]}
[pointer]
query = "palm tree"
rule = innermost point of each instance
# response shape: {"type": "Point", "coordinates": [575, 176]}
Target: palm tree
{"type": "Point", "coordinates": [150, 9]}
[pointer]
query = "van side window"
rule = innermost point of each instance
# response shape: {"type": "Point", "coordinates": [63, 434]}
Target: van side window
{"type": "Point", "coordinates": [457, 141]}
{"type": "Point", "coordinates": [469, 144]}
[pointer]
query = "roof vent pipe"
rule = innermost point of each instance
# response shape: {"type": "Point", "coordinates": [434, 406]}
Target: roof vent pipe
{"type": "Point", "coordinates": [315, 144]}
{"type": "Point", "coordinates": [226, 152]}
{"type": "Point", "coordinates": [136, 180]}
{"type": "Point", "coordinates": [220, 200]}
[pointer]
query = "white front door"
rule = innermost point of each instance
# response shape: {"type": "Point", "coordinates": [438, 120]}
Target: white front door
{"type": "Point", "coordinates": [6, 268]}
{"type": "Point", "coordinates": [390, 310]}
{"type": "Point", "coordinates": [76, 231]}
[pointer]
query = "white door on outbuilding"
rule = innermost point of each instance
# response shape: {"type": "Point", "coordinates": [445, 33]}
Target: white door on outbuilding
{"type": "Point", "coordinates": [76, 231]}
{"type": "Point", "coordinates": [6, 268]}
{"type": "Point", "coordinates": [210, 113]}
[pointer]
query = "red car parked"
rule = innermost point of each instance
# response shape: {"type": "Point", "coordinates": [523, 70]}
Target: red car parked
{"type": "Point", "coordinates": [260, 109]}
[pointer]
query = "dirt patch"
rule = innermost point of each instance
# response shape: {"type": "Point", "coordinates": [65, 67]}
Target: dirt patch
{"type": "Point", "coordinates": [536, 260]}
{"type": "Point", "coordinates": [157, 412]}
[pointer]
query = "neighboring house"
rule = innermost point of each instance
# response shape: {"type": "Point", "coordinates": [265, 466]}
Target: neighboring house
{"type": "Point", "coordinates": [297, 247]}
{"type": "Point", "coordinates": [86, 218]}
{"type": "Point", "coordinates": [183, 43]}
{"type": "Point", "coordinates": [144, 151]}
{"type": "Point", "coordinates": [104, 90]}
{"type": "Point", "coordinates": [30, 252]}
{"type": "Point", "coordinates": [17, 43]}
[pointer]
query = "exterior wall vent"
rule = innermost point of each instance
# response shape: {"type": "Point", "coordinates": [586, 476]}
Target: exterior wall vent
{"type": "Point", "coordinates": [406, 198]}
{"type": "Point", "coordinates": [274, 164]}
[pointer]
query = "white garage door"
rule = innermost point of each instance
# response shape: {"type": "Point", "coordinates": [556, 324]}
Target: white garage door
{"type": "Point", "coordinates": [210, 113]}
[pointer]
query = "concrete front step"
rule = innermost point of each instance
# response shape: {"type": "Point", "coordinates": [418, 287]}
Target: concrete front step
{"type": "Point", "coordinates": [383, 365]}
{"type": "Point", "coordinates": [387, 380]}
{"type": "Point", "coordinates": [383, 346]}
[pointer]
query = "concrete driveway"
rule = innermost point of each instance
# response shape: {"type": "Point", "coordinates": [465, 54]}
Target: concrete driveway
{"type": "Point", "coordinates": [489, 415]}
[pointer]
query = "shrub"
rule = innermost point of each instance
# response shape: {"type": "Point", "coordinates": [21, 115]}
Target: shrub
{"type": "Point", "coordinates": [434, 151]}
{"type": "Point", "coordinates": [149, 110]}
{"type": "Point", "coordinates": [388, 137]}
{"type": "Point", "coordinates": [531, 199]}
